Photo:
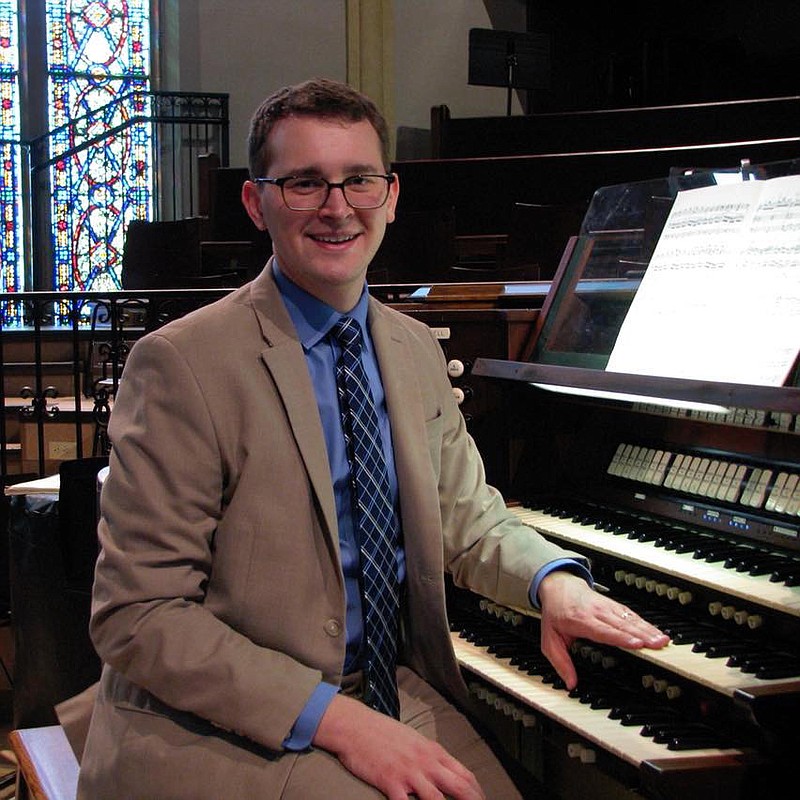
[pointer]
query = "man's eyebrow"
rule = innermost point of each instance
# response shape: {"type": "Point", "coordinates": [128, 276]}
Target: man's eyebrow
{"type": "Point", "coordinates": [313, 171]}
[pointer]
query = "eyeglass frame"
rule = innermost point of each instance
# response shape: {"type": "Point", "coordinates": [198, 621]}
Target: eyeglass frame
{"type": "Point", "coordinates": [389, 177]}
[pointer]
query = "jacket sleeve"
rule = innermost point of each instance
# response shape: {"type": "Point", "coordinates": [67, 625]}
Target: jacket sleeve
{"type": "Point", "coordinates": [487, 549]}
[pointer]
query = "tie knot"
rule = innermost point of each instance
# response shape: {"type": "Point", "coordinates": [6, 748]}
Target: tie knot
{"type": "Point", "coordinates": [347, 333]}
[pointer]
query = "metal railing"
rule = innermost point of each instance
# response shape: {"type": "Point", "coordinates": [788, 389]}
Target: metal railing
{"type": "Point", "coordinates": [180, 127]}
{"type": "Point", "coordinates": [58, 381]}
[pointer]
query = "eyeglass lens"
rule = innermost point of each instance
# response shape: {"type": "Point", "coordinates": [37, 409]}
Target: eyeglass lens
{"type": "Point", "coordinates": [360, 191]}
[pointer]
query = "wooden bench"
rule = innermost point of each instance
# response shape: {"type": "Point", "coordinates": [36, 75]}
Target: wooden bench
{"type": "Point", "coordinates": [46, 765]}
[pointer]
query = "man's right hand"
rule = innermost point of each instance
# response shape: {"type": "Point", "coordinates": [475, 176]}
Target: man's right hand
{"type": "Point", "coordinates": [391, 756]}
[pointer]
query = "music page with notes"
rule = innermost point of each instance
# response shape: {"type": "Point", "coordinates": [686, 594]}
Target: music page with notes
{"type": "Point", "coordinates": [720, 299]}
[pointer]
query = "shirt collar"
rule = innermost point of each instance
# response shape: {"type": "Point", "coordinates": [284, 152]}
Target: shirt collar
{"type": "Point", "coordinates": [313, 318]}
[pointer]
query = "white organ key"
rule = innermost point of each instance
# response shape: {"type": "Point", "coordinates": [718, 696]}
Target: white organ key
{"type": "Point", "coordinates": [593, 725]}
{"type": "Point", "coordinates": [653, 461]}
{"type": "Point", "coordinates": [793, 506]}
{"type": "Point", "coordinates": [614, 467]}
{"type": "Point", "coordinates": [688, 478]}
{"type": "Point", "coordinates": [625, 458]}
{"type": "Point", "coordinates": [758, 589]}
{"type": "Point", "coordinates": [646, 464]}
{"type": "Point", "coordinates": [750, 487]}
{"type": "Point", "coordinates": [675, 473]}
{"type": "Point", "coordinates": [736, 483]}
{"type": "Point", "coordinates": [761, 489]}
{"type": "Point", "coordinates": [661, 470]}
{"type": "Point", "coordinates": [699, 474]}
{"type": "Point", "coordinates": [756, 488]}
{"type": "Point", "coordinates": [640, 465]}
{"type": "Point", "coordinates": [705, 485]}
{"type": "Point", "coordinates": [777, 488]}
{"type": "Point", "coordinates": [784, 420]}
{"type": "Point", "coordinates": [717, 479]}
{"type": "Point", "coordinates": [632, 467]}
{"type": "Point", "coordinates": [782, 501]}
{"type": "Point", "coordinates": [727, 481]}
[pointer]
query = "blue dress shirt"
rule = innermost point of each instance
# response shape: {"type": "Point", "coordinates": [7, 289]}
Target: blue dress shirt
{"type": "Point", "coordinates": [313, 321]}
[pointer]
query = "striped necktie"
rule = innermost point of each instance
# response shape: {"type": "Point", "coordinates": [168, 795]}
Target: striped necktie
{"type": "Point", "coordinates": [376, 522]}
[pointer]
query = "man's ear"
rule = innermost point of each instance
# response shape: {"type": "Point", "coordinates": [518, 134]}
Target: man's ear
{"type": "Point", "coordinates": [251, 200]}
{"type": "Point", "coordinates": [391, 202]}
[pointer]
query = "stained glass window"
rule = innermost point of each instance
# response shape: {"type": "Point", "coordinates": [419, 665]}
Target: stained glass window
{"type": "Point", "coordinates": [98, 59]}
{"type": "Point", "coordinates": [11, 227]}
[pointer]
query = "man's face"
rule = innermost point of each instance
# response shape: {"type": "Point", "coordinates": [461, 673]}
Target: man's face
{"type": "Point", "coordinates": [327, 251]}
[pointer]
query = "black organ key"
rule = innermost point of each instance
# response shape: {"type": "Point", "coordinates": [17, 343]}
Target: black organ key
{"type": "Point", "coordinates": [739, 557]}
{"type": "Point", "coordinates": [778, 671]}
{"type": "Point", "coordinates": [695, 742]}
{"type": "Point", "coordinates": [602, 702]}
{"type": "Point", "coordinates": [708, 640]}
{"type": "Point", "coordinates": [688, 636]}
{"type": "Point", "coordinates": [765, 565]}
{"type": "Point", "coordinates": [720, 552]}
{"type": "Point", "coordinates": [551, 677]}
{"type": "Point", "coordinates": [630, 717]}
{"type": "Point", "coordinates": [785, 572]}
{"type": "Point", "coordinates": [757, 562]}
{"type": "Point", "coordinates": [536, 665]}
{"type": "Point", "coordinates": [701, 548]}
{"type": "Point", "coordinates": [504, 649]}
{"type": "Point", "coordinates": [650, 534]}
{"type": "Point", "coordinates": [762, 663]}
{"type": "Point", "coordinates": [726, 649]}
{"type": "Point", "coordinates": [744, 657]}
{"type": "Point", "coordinates": [684, 735]}
{"type": "Point", "coordinates": [689, 544]}
{"type": "Point", "coordinates": [681, 541]}
{"type": "Point", "coordinates": [488, 636]}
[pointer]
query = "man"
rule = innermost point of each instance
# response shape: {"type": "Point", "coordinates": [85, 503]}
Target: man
{"type": "Point", "coordinates": [232, 607]}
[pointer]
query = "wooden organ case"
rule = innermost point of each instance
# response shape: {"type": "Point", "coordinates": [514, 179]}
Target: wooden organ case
{"type": "Point", "coordinates": [690, 516]}
{"type": "Point", "coordinates": [473, 320]}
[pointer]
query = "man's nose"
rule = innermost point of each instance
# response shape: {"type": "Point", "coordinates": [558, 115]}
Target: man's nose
{"type": "Point", "coordinates": [335, 202]}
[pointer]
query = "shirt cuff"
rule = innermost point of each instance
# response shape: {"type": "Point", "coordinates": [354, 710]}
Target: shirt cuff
{"type": "Point", "coordinates": [569, 564]}
{"type": "Point", "coordinates": [306, 724]}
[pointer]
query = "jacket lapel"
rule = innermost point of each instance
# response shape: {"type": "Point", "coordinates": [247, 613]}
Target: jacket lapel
{"type": "Point", "coordinates": [282, 356]}
{"type": "Point", "coordinates": [419, 499]}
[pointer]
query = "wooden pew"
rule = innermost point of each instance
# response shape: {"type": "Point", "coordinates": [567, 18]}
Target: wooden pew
{"type": "Point", "coordinates": [760, 119]}
{"type": "Point", "coordinates": [483, 190]}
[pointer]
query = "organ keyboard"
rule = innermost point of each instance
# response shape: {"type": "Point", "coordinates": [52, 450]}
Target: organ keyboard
{"type": "Point", "coordinates": [692, 518]}
{"type": "Point", "coordinates": [588, 730]}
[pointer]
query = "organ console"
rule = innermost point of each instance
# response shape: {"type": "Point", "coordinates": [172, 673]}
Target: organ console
{"type": "Point", "coordinates": [689, 515]}
{"type": "Point", "coordinates": [472, 320]}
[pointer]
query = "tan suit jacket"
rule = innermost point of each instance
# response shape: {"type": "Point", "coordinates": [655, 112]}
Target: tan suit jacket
{"type": "Point", "coordinates": [219, 601]}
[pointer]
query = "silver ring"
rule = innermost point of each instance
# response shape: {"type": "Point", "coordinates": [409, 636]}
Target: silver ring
{"type": "Point", "coordinates": [626, 614]}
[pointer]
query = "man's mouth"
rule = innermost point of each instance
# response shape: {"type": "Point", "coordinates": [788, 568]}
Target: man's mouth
{"type": "Point", "coordinates": [333, 239]}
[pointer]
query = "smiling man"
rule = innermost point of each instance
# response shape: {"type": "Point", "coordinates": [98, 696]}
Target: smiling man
{"type": "Point", "coordinates": [290, 478]}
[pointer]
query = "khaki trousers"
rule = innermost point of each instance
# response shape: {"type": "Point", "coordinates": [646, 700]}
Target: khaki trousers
{"type": "Point", "coordinates": [319, 776]}
{"type": "Point", "coordinates": [204, 773]}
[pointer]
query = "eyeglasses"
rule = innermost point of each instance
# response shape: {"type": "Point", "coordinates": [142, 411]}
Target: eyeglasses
{"type": "Point", "coordinates": [310, 194]}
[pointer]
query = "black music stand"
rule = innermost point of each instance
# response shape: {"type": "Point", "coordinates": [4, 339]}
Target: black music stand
{"type": "Point", "coordinates": [507, 58]}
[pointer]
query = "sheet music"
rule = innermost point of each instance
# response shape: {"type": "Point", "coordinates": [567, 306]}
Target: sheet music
{"type": "Point", "coordinates": [720, 299]}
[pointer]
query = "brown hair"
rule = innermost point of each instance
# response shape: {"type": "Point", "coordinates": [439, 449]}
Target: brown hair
{"type": "Point", "coordinates": [318, 97]}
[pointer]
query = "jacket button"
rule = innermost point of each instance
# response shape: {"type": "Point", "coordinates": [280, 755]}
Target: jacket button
{"type": "Point", "coordinates": [333, 627]}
